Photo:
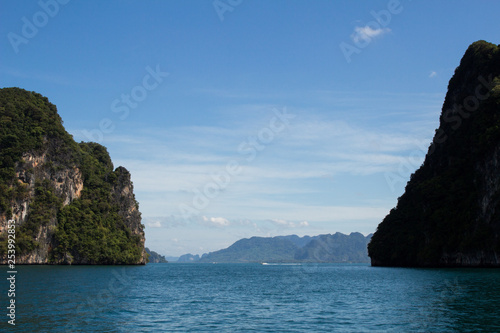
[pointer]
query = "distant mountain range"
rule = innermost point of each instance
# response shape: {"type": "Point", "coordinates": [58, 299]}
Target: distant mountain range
{"type": "Point", "coordinates": [323, 248]}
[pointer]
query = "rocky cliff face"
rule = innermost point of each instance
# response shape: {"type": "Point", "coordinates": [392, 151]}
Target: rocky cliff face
{"type": "Point", "coordinates": [68, 203]}
{"type": "Point", "coordinates": [128, 208]}
{"type": "Point", "coordinates": [68, 185]}
{"type": "Point", "coordinates": [449, 214]}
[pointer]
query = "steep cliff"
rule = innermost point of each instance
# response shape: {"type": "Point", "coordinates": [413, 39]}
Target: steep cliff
{"type": "Point", "coordinates": [449, 214]}
{"type": "Point", "coordinates": [69, 205]}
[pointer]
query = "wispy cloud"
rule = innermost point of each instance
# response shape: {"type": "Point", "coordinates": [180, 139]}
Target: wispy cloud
{"type": "Point", "coordinates": [169, 167]}
{"type": "Point", "coordinates": [216, 221]}
{"type": "Point", "coordinates": [155, 224]}
{"type": "Point", "coordinates": [165, 222]}
{"type": "Point", "coordinates": [366, 33]}
{"type": "Point", "coordinates": [432, 74]}
{"type": "Point", "coordinates": [289, 224]}
{"type": "Point", "coordinates": [284, 189]}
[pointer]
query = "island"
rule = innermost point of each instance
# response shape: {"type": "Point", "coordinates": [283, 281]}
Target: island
{"type": "Point", "coordinates": [66, 201]}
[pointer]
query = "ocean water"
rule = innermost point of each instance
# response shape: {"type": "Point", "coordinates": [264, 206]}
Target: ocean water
{"type": "Point", "coordinates": [253, 298]}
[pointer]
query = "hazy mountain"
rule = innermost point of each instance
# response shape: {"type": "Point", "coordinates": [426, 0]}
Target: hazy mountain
{"type": "Point", "coordinates": [188, 258]}
{"type": "Point", "coordinates": [154, 257]}
{"type": "Point", "coordinates": [335, 248]}
{"type": "Point", "coordinates": [323, 248]}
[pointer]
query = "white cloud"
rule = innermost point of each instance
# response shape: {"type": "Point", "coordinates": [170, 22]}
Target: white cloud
{"type": "Point", "coordinates": [280, 222]}
{"type": "Point", "coordinates": [216, 221]}
{"type": "Point", "coordinates": [163, 222]}
{"type": "Point", "coordinates": [289, 224]}
{"type": "Point", "coordinates": [432, 74]}
{"type": "Point", "coordinates": [366, 33]}
{"type": "Point", "coordinates": [156, 224]}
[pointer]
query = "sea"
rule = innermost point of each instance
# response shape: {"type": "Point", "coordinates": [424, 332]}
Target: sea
{"type": "Point", "coordinates": [252, 298]}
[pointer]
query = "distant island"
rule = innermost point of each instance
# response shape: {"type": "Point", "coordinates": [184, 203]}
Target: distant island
{"type": "Point", "coordinates": [328, 248]}
{"type": "Point", "coordinates": [188, 258]}
{"type": "Point", "coordinates": [67, 201]}
{"type": "Point", "coordinates": [449, 215]}
{"type": "Point", "coordinates": [155, 258]}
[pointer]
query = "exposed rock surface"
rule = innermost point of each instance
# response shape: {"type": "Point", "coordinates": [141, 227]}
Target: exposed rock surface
{"type": "Point", "coordinates": [128, 208]}
{"type": "Point", "coordinates": [68, 185]}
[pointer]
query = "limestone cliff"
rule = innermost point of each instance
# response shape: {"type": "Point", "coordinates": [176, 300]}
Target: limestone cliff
{"type": "Point", "coordinates": [68, 203]}
{"type": "Point", "coordinates": [67, 184]}
{"type": "Point", "coordinates": [449, 214]}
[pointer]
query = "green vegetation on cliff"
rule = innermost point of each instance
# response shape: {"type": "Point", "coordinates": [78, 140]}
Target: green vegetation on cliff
{"type": "Point", "coordinates": [449, 214]}
{"type": "Point", "coordinates": [90, 229]}
{"type": "Point", "coordinates": [28, 122]}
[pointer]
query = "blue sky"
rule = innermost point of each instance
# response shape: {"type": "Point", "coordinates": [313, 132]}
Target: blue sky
{"type": "Point", "coordinates": [248, 118]}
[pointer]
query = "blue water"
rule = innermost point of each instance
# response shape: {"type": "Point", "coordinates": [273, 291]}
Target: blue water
{"type": "Point", "coordinates": [253, 297]}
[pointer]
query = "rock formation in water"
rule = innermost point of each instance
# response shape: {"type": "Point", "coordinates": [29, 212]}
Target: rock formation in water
{"type": "Point", "coordinates": [449, 214]}
{"type": "Point", "coordinates": [155, 257]}
{"type": "Point", "coordinates": [69, 204]}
